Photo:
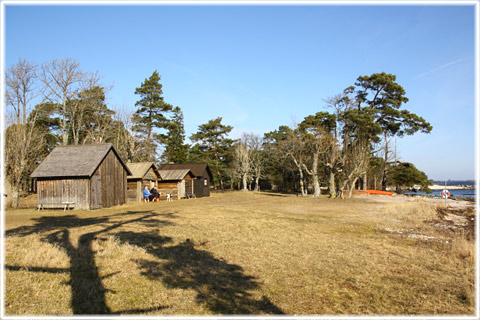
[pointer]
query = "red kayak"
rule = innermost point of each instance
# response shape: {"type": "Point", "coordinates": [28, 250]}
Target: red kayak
{"type": "Point", "coordinates": [385, 193]}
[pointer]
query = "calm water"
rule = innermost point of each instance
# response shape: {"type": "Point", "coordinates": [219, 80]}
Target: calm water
{"type": "Point", "coordinates": [468, 193]}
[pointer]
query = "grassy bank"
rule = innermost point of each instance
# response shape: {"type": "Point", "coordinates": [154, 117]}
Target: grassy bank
{"type": "Point", "coordinates": [239, 253]}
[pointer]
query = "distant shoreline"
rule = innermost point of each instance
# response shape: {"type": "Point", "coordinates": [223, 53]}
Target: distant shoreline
{"type": "Point", "coordinates": [441, 187]}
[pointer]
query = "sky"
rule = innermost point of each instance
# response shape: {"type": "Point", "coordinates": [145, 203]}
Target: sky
{"type": "Point", "coordinates": [262, 66]}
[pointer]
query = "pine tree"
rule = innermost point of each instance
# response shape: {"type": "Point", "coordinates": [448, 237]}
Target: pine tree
{"type": "Point", "coordinates": [150, 116]}
{"type": "Point", "coordinates": [176, 150]}
{"type": "Point", "coordinates": [217, 148]}
{"type": "Point", "coordinates": [382, 97]}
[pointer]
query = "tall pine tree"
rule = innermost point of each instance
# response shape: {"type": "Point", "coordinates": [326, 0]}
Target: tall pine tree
{"type": "Point", "coordinates": [176, 150]}
{"type": "Point", "coordinates": [150, 117]}
{"type": "Point", "coordinates": [382, 97]}
{"type": "Point", "coordinates": [215, 146]}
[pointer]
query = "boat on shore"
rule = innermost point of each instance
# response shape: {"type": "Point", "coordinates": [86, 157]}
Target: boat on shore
{"type": "Point", "coordinates": [370, 191]}
{"type": "Point", "coordinates": [385, 193]}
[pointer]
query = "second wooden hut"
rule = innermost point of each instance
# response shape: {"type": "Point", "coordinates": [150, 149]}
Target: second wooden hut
{"type": "Point", "coordinates": [144, 174]}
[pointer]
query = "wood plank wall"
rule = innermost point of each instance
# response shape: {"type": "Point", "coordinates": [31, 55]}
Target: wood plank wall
{"type": "Point", "coordinates": [57, 191]}
{"type": "Point", "coordinates": [113, 181]}
{"type": "Point", "coordinates": [132, 192]}
{"type": "Point", "coordinates": [168, 187]}
{"type": "Point", "coordinates": [107, 187]}
{"type": "Point", "coordinates": [188, 187]}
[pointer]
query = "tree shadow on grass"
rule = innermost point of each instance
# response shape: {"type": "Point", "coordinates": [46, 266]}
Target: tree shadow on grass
{"type": "Point", "coordinates": [88, 292]}
{"type": "Point", "coordinates": [222, 287]}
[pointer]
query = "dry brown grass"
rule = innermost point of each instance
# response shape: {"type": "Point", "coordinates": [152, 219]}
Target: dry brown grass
{"type": "Point", "coordinates": [238, 253]}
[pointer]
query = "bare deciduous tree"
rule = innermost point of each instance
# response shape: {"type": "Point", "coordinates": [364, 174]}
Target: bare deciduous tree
{"type": "Point", "coordinates": [20, 81]}
{"type": "Point", "coordinates": [355, 164]}
{"type": "Point", "coordinates": [23, 141]}
{"type": "Point", "coordinates": [258, 159]}
{"type": "Point", "coordinates": [294, 148]}
{"type": "Point", "coordinates": [243, 160]}
{"type": "Point", "coordinates": [316, 132]}
{"type": "Point", "coordinates": [63, 80]}
{"type": "Point", "coordinates": [125, 142]}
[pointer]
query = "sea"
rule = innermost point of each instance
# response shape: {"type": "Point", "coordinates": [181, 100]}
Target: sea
{"type": "Point", "coordinates": [467, 193]}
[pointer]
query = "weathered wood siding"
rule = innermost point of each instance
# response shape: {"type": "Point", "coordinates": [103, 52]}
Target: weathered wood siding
{"type": "Point", "coordinates": [135, 186]}
{"type": "Point", "coordinates": [150, 175]}
{"type": "Point", "coordinates": [132, 190]}
{"type": "Point", "coordinates": [112, 190]}
{"type": "Point", "coordinates": [189, 187]}
{"type": "Point", "coordinates": [53, 192]}
{"type": "Point", "coordinates": [165, 187]}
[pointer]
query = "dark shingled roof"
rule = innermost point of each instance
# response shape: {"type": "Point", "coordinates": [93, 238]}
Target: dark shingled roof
{"type": "Point", "coordinates": [196, 168]}
{"type": "Point", "coordinates": [74, 161]}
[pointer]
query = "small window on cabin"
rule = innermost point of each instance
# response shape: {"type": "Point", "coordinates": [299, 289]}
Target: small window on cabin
{"type": "Point", "coordinates": [205, 182]}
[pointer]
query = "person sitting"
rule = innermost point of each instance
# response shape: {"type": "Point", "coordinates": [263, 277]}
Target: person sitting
{"type": "Point", "coordinates": [154, 194]}
{"type": "Point", "coordinates": [146, 194]}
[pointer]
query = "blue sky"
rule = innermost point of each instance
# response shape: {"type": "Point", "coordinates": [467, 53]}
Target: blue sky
{"type": "Point", "coordinates": [260, 67]}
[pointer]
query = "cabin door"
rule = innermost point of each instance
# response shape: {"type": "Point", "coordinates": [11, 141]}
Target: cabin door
{"type": "Point", "coordinates": [96, 192]}
{"type": "Point", "coordinates": [181, 189]}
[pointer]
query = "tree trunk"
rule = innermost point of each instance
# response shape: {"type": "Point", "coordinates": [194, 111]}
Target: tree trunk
{"type": "Point", "coordinates": [244, 181]}
{"type": "Point", "coordinates": [352, 186]}
{"type": "Point", "coordinates": [314, 174]}
{"type": "Point", "coordinates": [63, 124]}
{"type": "Point", "coordinates": [341, 188]}
{"type": "Point", "coordinates": [385, 164]}
{"type": "Point", "coordinates": [300, 173]}
{"type": "Point", "coordinates": [302, 186]}
{"type": "Point", "coordinates": [257, 187]}
{"type": "Point", "coordinates": [331, 185]}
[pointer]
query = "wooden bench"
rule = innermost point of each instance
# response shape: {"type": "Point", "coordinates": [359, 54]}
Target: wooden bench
{"type": "Point", "coordinates": [52, 205]}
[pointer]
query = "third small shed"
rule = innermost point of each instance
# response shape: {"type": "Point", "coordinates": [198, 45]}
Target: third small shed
{"type": "Point", "coordinates": [202, 173]}
{"type": "Point", "coordinates": [178, 183]}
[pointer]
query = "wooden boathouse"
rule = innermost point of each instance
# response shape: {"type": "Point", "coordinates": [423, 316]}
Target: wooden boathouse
{"type": "Point", "coordinates": [81, 176]}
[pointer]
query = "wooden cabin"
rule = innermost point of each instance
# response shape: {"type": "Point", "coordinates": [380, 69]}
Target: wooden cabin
{"type": "Point", "coordinates": [82, 177]}
{"type": "Point", "coordinates": [178, 183]}
{"type": "Point", "coordinates": [202, 173]}
{"type": "Point", "coordinates": [143, 174]}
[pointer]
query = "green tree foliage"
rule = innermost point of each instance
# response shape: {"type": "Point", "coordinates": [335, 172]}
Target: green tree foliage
{"type": "Point", "coordinates": [405, 175]}
{"type": "Point", "coordinates": [175, 148]}
{"type": "Point", "coordinates": [278, 165]}
{"type": "Point", "coordinates": [214, 147]}
{"type": "Point", "coordinates": [45, 121]}
{"type": "Point", "coordinates": [150, 116]}
{"type": "Point", "coordinates": [381, 97]}
{"type": "Point", "coordinates": [90, 119]}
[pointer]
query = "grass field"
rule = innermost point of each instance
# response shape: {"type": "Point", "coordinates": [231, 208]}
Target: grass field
{"type": "Point", "coordinates": [239, 253]}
